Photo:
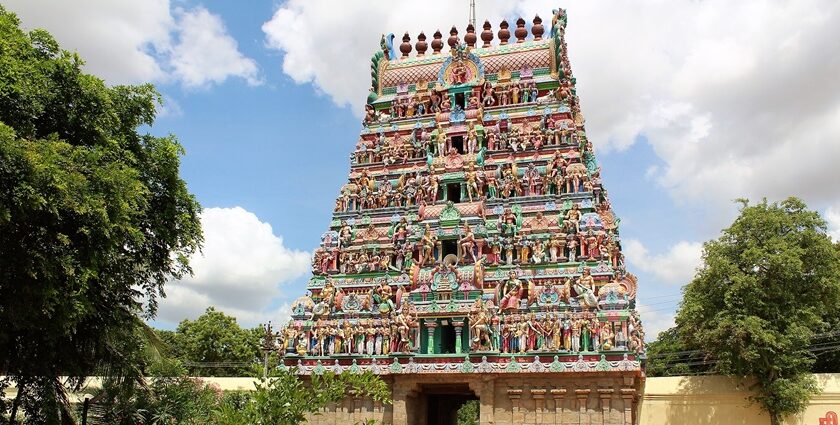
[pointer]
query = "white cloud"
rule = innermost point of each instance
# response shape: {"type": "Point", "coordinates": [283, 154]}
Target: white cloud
{"type": "Point", "coordinates": [240, 271]}
{"type": "Point", "coordinates": [737, 99]}
{"type": "Point", "coordinates": [169, 107]}
{"type": "Point", "coordinates": [330, 44]}
{"type": "Point", "coordinates": [675, 267]}
{"type": "Point", "coordinates": [832, 216]}
{"type": "Point", "coordinates": [133, 41]}
{"type": "Point", "coordinates": [206, 53]}
{"type": "Point", "coordinates": [655, 320]}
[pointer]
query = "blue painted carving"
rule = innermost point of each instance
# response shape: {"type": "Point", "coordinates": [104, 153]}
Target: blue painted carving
{"type": "Point", "coordinates": [591, 221]}
{"type": "Point", "coordinates": [469, 57]}
{"type": "Point", "coordinates": [457, 114]}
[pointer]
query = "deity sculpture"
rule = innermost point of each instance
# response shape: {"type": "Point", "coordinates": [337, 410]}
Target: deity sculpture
{"type": "Point", "coordinates": [441, 141]}
{"type": "Point", "coordinates": [472, 139]}
{"type": "Point", "coordinates": [472, 183]}
{"type": "Point", "coordinates": [480, 328]}
{"type": "Point", "coordinates": [514, 92]}
{"type": "Point", "coordinates": [427, 246]}
{"type": "Point", "coordinates": [532, 179]}
{"type": "Point", "coordinates": [538, 253]}
{"type": "Point", "coordinates": [460, 72]}
{"type": "Point", "coordinates": [585, 289]}
{"type": "Point", "coordinates": [466, 244]}
{"type": "Point", "coordinates": [572, 219]}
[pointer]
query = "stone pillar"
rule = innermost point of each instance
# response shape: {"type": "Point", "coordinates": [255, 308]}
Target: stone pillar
{"type": "Point", "coordinates": [485, 390]}
{"type": "Point", "coordinates": [605, 394]}
{"type": "Point", "coordinates": [582, 396]}
{"type": "Point", "coordinates": [559, 396]}
{"type": "Point", "coordinates": [431, 324]}
{"type": "Point", "coordinates": [628, 395]}
{"type": "Point", "coordinates": [399, 407]}
{"type": "Point", "coordinates": [358, 404]}
{"type": "Point", "coordinates": [515, 396]}
{"type": "Point", "coordinates": [538, 394]}
{"type": "Point", "coordinates": [459, 326]}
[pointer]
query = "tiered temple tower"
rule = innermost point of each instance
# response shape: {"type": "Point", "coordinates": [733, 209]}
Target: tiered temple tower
{"type": "Point", "coordinates": [473, 251]}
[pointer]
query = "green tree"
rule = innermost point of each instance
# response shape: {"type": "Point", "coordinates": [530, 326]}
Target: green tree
{"type": "Point", "coordinates": [94, 219]}
{"type": "Point", "coordinates": [170, 396]}
{"type": "Point", "coordinates": [669, 355]}
{"type": "Point", "coordinates": [215, 337]}
{"type": "Point", "coordinates": [468, 413]}
{"type": "Point", "coordinates": [764, 291]}
{"type": "Point", "coordinates": [285, 399]}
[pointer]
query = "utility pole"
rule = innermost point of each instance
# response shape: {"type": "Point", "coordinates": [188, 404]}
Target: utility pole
{"type": "Point", "coordinates": [472, 12]}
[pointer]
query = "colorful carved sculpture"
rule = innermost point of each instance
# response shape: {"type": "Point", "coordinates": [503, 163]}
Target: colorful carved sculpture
{"type": "Point", "coordinates": [474, 202]}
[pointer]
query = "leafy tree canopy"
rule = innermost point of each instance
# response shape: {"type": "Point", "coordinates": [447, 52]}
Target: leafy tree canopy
{"type": "Point", "coordinates": [669, 355]}
{"type": "Point", "coordinates": [768, 285]}
{"type": "Point", "coordinates": [94, 217]}
{"type": "Point", "coordinates": [215, 337]}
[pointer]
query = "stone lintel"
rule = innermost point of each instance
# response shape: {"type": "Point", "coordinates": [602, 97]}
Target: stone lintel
{"type": "Point", "coordinates": [538, 393]}
{"type": "Point", "coordinates": [558, 393]}
{"type": "Point", "coordinates": [605, 392]}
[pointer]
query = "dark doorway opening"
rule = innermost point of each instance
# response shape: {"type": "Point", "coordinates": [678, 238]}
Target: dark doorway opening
{"type": "Point", "coordinates": [447, 338]}
{"type": "Point", "coordinates": [453, 192]}
{"type": "Point", "coordinates": [449, 247]}
{"type": "Point", "coordinates": [444, 401]}
{"type": "Point", "coordinates": [460, 100]}
{"type": "Point", "coordinates": [458, 143]}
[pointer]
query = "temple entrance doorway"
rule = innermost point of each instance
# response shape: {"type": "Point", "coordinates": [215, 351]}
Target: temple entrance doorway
{"type": "Point", "coordinates": [444, 400]}
{"type": "Point", "coordinates": [453, 192]}
{"type": "Point", "coordinates": [447, 337]}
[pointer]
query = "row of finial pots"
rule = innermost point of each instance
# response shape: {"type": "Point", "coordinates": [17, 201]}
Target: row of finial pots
{"type": "Point", "coordinates": [471, 38]}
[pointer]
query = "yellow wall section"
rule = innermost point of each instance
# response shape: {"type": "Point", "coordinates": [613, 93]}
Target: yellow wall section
{"type": "Point", "coordinates": [687, 400]}
{"type": "Point", "coordinates": [705, 400]}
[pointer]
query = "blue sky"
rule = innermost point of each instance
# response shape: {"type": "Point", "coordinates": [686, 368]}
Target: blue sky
{"type": "Point", "coordinates": [689, 105]}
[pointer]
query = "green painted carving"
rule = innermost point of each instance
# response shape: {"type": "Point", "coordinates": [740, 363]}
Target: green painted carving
{"type": "Point", "coordinates": [319, 369]}
{"type": "Point", "coordinates": [354, 368]}
{"type": "Point", "coordinates": [451, 307]}
{"type": "Point", "coordinates": [467, 366]}
{"type": "Point", "coordinates": [603, 365]}
{"type": "Point", "coordinates": [556, 365]}
{"type": "Point", "coordinates": [558, 27]}
{"type": "Point", "coordinates": [450, 216]}
{"type": "Point", "coordinates": [395, 366]}
{"type": "Point", "coordinates": [479, 157]}
{"type": "Point", "coordinates": [513, 366]}
{"type": "Point", "coordinates": [376, 62]}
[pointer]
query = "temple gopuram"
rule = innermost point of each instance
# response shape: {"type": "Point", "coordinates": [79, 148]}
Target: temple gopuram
{"type": "Point", "coordinates": [473, 253]}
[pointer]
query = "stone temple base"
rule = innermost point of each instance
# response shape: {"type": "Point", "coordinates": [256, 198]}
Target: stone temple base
{"type": "Point", "coordinates": [590, 399]}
